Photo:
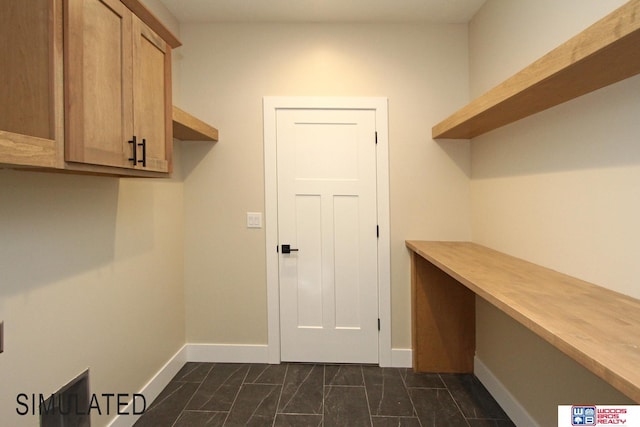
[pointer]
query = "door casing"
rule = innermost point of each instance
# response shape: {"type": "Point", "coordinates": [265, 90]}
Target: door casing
{"type": "Point", "coordinates": [271, 105]}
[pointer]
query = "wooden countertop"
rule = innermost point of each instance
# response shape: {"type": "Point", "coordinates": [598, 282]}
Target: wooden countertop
{"type": "Point", "coordinates": [597, 327]}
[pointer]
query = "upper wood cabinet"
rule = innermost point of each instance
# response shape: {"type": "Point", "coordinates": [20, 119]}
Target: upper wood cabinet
{"type": "Point", "coordinates": [85, 87]}
{"type": "Point", "coordinates": [118, 89]}
{"type": "Point", "coordinates": [31, 109]}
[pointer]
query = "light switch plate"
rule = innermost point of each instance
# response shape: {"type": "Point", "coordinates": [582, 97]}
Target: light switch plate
{"type": "Point", "coordinates": [254, 219]}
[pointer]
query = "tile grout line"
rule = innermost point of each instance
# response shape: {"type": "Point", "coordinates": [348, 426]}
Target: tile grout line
{"type": "Point", "coordinates": [324, 373]}
{"type": "Point", "coordinates": [413, 405]}
{"type": "Point", "coordinates": [455, 401]}
{"type": "Point", "coordinates": [262, 401]}
{"type": "Point", "coordinates": [303, 381]}
{"type": "Point", "coordinates": [194, 393]}
{"type": "Point", "coordinates": [366, 395]}
{"type": "Point", "coordinates": [237, 393]}
{"type": "Point", "coordinates": [284, 379]}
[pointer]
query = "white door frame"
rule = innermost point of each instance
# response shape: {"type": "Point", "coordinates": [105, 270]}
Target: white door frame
{"type": "Point", "coordinates": [271, 105]}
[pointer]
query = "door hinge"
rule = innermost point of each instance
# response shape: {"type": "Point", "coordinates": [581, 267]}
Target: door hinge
{"type": "Point", "coordinates": [378, 231]}
{"type": "Point", "coordinates": [378, 324]}
{"type": "Point", "coordinates": [376, 137]}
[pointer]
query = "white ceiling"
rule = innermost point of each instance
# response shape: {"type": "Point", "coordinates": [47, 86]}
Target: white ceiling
{"type": "Point", "coordinates": [365, 11]}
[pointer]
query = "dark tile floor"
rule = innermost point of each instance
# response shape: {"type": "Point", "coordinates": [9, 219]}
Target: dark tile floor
{"type": "Point", "coordinates": [294, 394]}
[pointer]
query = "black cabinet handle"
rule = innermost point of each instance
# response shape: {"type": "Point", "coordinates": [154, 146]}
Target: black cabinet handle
{"type": "Point", "coordinates": [134, 148]}
{"type": "Point", "coordinates": [144, 152]}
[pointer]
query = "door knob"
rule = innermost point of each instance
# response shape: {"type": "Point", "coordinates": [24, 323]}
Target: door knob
{"type": "Point", "coordinates": [287, 249]}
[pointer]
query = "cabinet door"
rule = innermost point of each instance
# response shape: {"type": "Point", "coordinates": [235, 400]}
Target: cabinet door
{"type": "Point", "coordinates": [31, 125]}
{"type": "Point", "coordinates": [98, 65]}
{"type": "Point", "coordinates": [152, 98]}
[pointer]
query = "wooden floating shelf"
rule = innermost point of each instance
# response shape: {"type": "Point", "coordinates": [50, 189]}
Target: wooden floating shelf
{"type": "Point", "coordinates": [188, 128]}
{"type": "Point", "coordinates": [603, 54]}
{"type": "Point", "coordinates": [597, 327]}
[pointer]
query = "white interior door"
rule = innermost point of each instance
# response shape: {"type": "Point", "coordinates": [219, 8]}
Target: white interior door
{"type": "Point", "coordinates": [327, 214]}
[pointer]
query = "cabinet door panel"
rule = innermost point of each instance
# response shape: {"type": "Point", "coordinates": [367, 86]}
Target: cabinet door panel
{"type": "Point", "coordinates": [26, 68]}
{"type": "Point", "coordinates": [98, 60]}
{"type": "Point", "coordinates": [31, 86]}
{"type": "Point", "coordinates": [152, 113]}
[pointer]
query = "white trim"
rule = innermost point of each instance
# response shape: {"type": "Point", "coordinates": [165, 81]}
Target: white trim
{"type": "Point", "coordinates": [384, 240]}
{"type": "Point", "coordinates": [501, 394]}
{"type": "Point", "coordinates": [153, 388]}
{"type": "Point", "coordinates": [401, 358]}
{"type": "Point", "coordinates": [271, 229]}
{"type": "Point", "coordinates": [271, 104]}
{"type": "Point", "coordinates": [227, 353]}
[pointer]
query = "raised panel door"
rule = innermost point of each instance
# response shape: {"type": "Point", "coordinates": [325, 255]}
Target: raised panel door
{"type": "Point", "coordinates": [98, 64]}
{"type": "Point", "coordinates": [327, 211]}
{"type": "Point", "coordinates": [31, 126]}
{"type": "Point", "coordinates": [152, 98]}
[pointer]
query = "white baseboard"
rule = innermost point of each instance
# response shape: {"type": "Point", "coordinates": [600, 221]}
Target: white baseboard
{"type": "Point", "coordinates": [505, 399]}
{"type": "Point", "coordinates": [153, 388]}
{"type": "Point", "coordinates": [252, 353]}
{"type": "Point", "coordinates": [401, 358]}
{"type": "Point", "coordinates": [227, 353]}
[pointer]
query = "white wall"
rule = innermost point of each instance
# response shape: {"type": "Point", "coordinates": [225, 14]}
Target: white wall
{"type": "Point", "coordinates": [226, 71]}
{"type": "Point", "coordinates": [91, 277]}
{"type": "Point", "coordinates": [559, 189]}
